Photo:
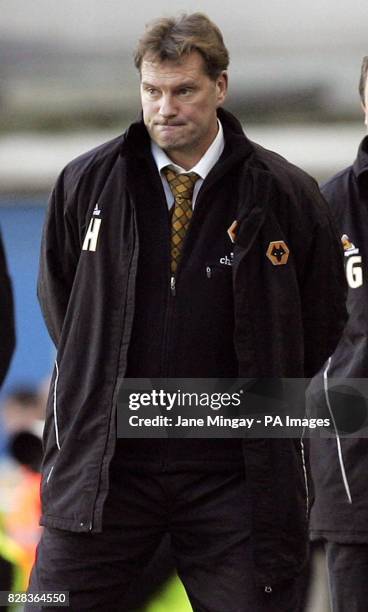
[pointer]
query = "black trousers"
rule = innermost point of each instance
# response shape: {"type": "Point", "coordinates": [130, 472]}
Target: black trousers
{"type": "Point", "coordinates": [347, 566]}
{"type": "Point", "coordinates": [207, 515]}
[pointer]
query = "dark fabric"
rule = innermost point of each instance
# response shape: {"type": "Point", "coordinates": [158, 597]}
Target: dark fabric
{"type": "Point", "coordinates": [7, 325]}
{"type": "Point", "coordinates": [208, 518]}
{"type": "Point", "coordinates": [333, 516]}
{"type": "Point", "coordinates": [6, 575]}
{"type": "Point", "coordinates": [347, 566]}
{"type": "Point", "coordinates": [287, 319]}
{"type": "Point", "coordinates": [155, 455]}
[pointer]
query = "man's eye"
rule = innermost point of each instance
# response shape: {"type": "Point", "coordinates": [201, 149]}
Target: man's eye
{"type": "Point", "coordinates": [185, 91]}
{"type": "Point", "coordinates": [151, 91]}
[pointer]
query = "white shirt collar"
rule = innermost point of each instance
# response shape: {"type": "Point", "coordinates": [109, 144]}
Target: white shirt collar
{"type": "Point", "coordinates": [205, 164]}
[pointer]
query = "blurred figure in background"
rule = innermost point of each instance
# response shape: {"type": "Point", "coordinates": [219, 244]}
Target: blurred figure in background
{"type": "Point", "coordinates": [7, 327]}
{"type": "Point", "coordinates": [11, 560]}
{"type": "Point", "coordinates": [8, 552]}
{"type": "Point", "coordinates": [23, 417]}
{"type": "Point", "coordinates": [24, 410]}
{"type": "Point", "coordinates": [340, 513]}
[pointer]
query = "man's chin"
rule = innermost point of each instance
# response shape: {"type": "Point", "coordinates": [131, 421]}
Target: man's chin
{"type": "Point", "coordinates": [168, 144]}
{"type": "Point", "coordinates": [166, 139]}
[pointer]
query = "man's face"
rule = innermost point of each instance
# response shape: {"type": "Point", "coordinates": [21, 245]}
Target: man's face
{"type": "Point", "coordinates": [179, 102]}
{"type": "Point", "coordinates": [365, 106]}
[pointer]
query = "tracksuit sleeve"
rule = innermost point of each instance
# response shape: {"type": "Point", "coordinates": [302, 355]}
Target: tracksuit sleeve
{"type": "Point", "coordinates": [58, 259]}
{"type": "Point", "coordinates": [7, 326]}
{"type": "Point", "coordinates": [324, 292]}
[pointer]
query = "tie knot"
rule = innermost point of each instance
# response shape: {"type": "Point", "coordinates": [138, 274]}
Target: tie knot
{"type": "Point", "coordinates": [181, 184]}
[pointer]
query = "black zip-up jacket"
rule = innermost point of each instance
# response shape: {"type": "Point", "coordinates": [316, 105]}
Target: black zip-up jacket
{"type": "Point", "coordinates": [7, 326]}
{"type": "Point", "coordinates": [340, 512]}
{"type": "Point", "coordinates": [288, 319]}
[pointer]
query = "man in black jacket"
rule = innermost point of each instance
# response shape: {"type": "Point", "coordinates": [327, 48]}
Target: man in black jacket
{"type": "Point", "coordinates": [180, 250]}
{"type": "Point", "coordinates": [340, 513]}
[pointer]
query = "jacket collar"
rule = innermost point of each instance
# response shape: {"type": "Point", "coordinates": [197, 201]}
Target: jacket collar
{"type": "Point", "coordinates": [360, 165]}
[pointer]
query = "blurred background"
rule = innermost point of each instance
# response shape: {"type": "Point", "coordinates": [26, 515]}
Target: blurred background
{"type": "Point", "coordinates": [67, 83]}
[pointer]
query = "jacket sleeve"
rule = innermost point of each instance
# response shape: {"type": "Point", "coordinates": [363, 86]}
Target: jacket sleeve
{"type": "Point", "coordinates": [323, 289]}
{"type": "Point", "coordinates": [7, 327]}
{"type": "Point", "coordinates": [58, 259]}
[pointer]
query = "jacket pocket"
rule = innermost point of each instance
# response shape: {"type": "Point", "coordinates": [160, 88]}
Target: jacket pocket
{"type": "Point", "coordinates": [218, 271]}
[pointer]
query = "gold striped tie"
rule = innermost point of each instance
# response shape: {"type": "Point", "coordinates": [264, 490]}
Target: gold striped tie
{"type": "Point", "coordinates": [182, 186]}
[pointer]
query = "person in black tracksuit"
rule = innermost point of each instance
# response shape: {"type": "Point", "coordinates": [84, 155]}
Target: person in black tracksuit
{"type": "Point", "coordinates": [254, 305]}
{"type": "Point", "coordinates": [339, 516]}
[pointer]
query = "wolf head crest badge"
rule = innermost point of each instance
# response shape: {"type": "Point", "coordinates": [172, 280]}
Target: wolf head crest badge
{"type": "Point", "coordinates": [278, 253]}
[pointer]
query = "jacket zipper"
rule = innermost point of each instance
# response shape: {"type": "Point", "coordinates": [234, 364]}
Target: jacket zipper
{"type": "Point", "coordinates": [268, 589]}
{"type": "Point", "coordinates": [173, 286]}
{"type": "Point", "coordinates": [167, 326]}
{"type": "Point", "coordinates": [173, 290]}
{"type": "Point", "coordinates": [338, 441]}
{"type": "Point", "coordinates": [170, 303]}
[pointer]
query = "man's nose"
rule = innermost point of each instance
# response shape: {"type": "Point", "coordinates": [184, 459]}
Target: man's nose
{"type": "Point", "coordinates": [167, 106]}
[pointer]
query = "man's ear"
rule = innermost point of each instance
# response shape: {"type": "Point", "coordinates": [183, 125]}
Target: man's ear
{"type": "Point", "coordinates": [221, 87]}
